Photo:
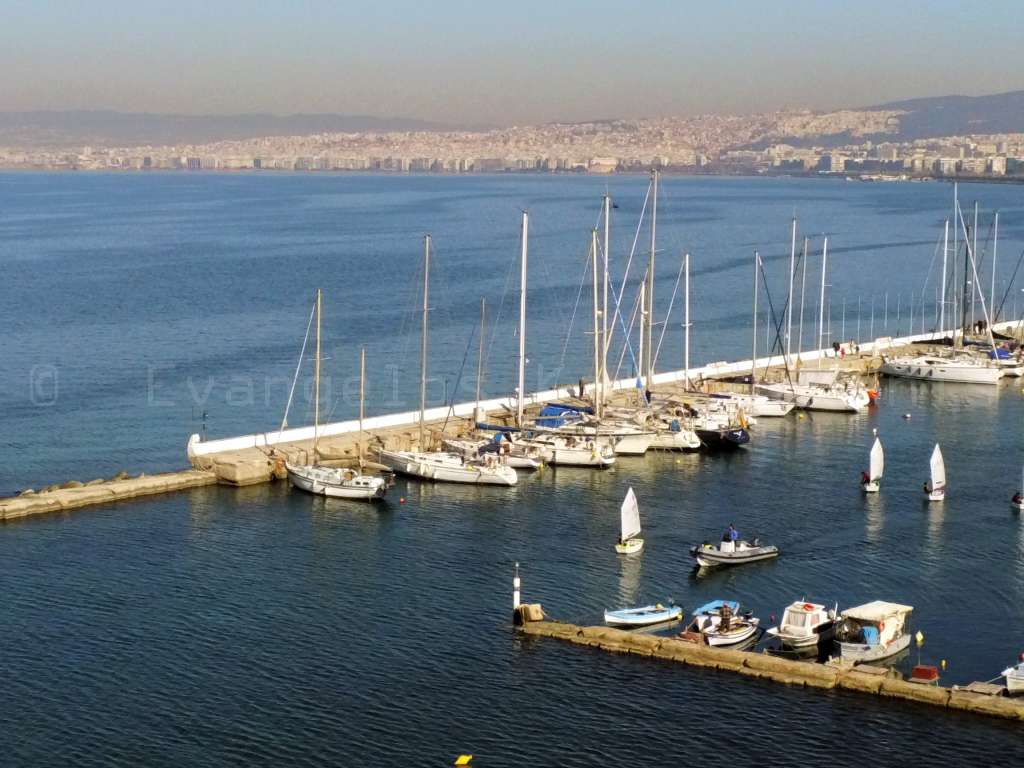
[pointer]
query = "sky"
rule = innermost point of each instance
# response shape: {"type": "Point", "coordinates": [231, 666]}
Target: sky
{"type": "Point", "coordinates": [489, 63]}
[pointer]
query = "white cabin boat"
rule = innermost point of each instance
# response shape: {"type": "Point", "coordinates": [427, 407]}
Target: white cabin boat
{"type": "Point", "coordinates": [805, 625]}
{"type": "Point", "coordinates": [876, 468]}
{"type": "Point", "coordinates": [961, 370]}
{"type": "Point", "coordinates": [629, 538]}
{"type": "Point", "coordinates": [936, 489]}
{"type": "Point", "coordinates": [873, 631]}
{"type": "Point", "coordinates": [336, 482]}
{"type": "Point", "coordinates": [1015, 677]}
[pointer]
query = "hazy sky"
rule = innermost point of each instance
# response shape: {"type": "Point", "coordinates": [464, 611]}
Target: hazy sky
{"type": "Point", "coordinates": [500, 63]}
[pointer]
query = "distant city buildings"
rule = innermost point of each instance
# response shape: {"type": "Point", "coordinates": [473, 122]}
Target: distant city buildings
{"type": "Point", "coordinates": [781, 143]}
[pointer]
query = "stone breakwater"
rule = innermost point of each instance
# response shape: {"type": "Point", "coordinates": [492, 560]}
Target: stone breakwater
{"type": "Point", "coordinates": [862, 679]}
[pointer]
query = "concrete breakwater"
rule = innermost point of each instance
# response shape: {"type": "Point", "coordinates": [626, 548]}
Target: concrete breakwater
{"type": "Point", "coordinates": [862, 679]}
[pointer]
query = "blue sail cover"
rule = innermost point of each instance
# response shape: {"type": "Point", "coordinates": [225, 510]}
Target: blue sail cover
{"type": "Point", "coordinates": [557, 415]}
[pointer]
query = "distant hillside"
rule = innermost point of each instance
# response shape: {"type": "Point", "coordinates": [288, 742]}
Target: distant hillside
{"type": "Point", "coordinates": [34, 129]}
{"type": "Point", "coordinates": [957, 115]}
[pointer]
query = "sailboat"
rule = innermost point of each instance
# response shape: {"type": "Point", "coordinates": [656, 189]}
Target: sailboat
{"type": "Point", "coordinates": [629, 540]}
{"type": "Point", "coordinates": [936, 490]}
{"type": "Point", "coordinates": [441, 465]}
{"type": "Point", "coordinates": [875, 469]}
{"type": "Point", "coordinates": [336, 482]}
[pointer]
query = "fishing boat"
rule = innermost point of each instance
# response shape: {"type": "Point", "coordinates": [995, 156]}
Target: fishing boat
{"type": "Point", "coordinates": [960, 370]}
{"type": "Point", "coordinates": [872, 632]}
{"type": "Point", "coordinates": [875, 469]}
{"type": "Point", "coordinates": [719, 623]}
{"type": "Point", "coordinates": [732, 553]}
{"type": "Point", "coordinates": [335, 482]}
{"type": "Point", "coordinates": [643, 617]}
{"type": "Point", "coordinates": [936, 489]}
{"type": "Point", "coordinates": [805, 625]}
{"type": "Point", "coordinates": [1015, 677]}
{"type": "Point", "coordinates": [443, 466]}
{"type": "Point", "coordinates": [629, 538]}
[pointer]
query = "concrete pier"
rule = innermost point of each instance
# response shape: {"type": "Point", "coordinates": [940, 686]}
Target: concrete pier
{"type": "Point", "coordinates": [862, 679]}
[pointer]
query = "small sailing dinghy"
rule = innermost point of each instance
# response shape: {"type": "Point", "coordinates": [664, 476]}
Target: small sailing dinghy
{"type": "Point", "coordinates": [643, 617]}
{"type": "Point", "coordinates": [936, 490]}
{"type": "Point", "coordinates": [720, 623]}
{"type": "Point", "coordinates": [805, 625]}
{"type": "Point", "coordinates": [732, 553]}
{"type": "Point", "coordinates": [870, 484]}
{"type": "Point", "coordinates": [629, 540]}
{"type": "Point", "coordinates": [1015, 677]}
{"type": "Point", "coordinates": [1018, 498]}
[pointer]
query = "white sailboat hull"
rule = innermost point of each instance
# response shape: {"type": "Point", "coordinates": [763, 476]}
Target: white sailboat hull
{"type": "Point", "coordinates": [871, 487]}
{"type": "Point", "coordinates": [682, 440]}
{"type": "Point", "coordinates": [629, 547]}
{"type": "Point", "coordinates": [936, 369]}
{"type": "Point", "coordinates": [446, 467]}
{"type": "Point", "coordinates": [325, 481]}
{"type": "Point", "coordinates": [810, 399]}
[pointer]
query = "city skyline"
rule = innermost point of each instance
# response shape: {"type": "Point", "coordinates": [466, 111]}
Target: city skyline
{"type": "Point", "coordinates": [464, 65]}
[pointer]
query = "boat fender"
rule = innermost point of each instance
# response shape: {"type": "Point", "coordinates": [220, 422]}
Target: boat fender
{"type": "Point", "coordinates": [808, 607]}
{"type": "Point", "coordinates": [881, 626]}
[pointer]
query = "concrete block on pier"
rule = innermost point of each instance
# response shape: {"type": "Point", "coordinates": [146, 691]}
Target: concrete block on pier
{"type": "Point", "coordinates": [856, 680]}
{"type": "Point", "coordinates": [979, 703]}
{"type": "Point", "coordinates": [242, 471]}
{"type": "Point", "coordinates": [926, 694]}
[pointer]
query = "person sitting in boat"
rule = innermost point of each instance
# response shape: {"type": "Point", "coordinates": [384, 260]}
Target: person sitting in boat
{"type": "Point", "coordinates": [1018, 497]}
{"type": "Point", "coordinates": [865, 478]}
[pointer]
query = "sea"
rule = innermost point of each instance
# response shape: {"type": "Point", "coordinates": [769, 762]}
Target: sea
{"type": "Point", "coordinates": [260, 626]}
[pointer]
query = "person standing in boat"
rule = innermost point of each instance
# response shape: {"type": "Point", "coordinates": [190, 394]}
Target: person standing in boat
{"type": "Point", "coordinates": [729, 538]}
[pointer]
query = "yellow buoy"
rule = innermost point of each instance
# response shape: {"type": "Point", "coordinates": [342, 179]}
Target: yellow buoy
{"type": "Point", "coordinates": [463, 759]}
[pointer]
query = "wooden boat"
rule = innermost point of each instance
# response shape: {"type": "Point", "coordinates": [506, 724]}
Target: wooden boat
{"type": "Point", "coordinates": [873, 631]}
{"type": "Point", "coordinates": [629, 539]}
{"type": "Point", "coordinates": [876, 468]}
{"type": "Point", "coordinates": [804, 625]}
{"type": "Point", "coordinates": [732, 553]}
{"type": "Point", "coordinates": [643, 617]}
{"type": "Point", "coordinates": [936, 489]}
{"type": "Point", "coordinates": [719, 623]}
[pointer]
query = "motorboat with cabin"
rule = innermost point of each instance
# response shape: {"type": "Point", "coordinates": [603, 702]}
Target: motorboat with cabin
{"type": "Point", "coordinates": [720, 623]}
{"type": "Point", "coordinates": [1015, 677]}
{"type": "Point", "coordinates": [805, 625]}
{"type": "Point", "coordinates": [646, 616]}
{"type": "Point", "coordinates": [873, 631]}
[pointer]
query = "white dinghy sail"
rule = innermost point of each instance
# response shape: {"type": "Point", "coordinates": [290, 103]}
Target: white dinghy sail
{"type": "Point", "coordinates": [629, 540]}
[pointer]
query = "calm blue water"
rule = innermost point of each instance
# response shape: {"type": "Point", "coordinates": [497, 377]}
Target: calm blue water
{"type": "Point", "coordinates": [258, 626]}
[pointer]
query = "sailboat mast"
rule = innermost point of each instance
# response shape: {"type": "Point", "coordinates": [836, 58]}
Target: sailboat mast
{"type": "Point", "coordinates": [362, 399]}
{"type": "Point", "coordinates": [597, 327]}
{"type": "Point", "coordinates": [821, 300]}
{"type": "Point", "coordinates": [649, 370]}
{"type": "Point", "coordinates": [975, 289]}
{"type": "Point", "coordinates": [753, 351]}
{"type": "Point", "coordinates": [942, 295]}
{"type": "Point", "coordinates": [686, 326]}
{"type": "Point", "coordinates": [956, 248]}
{"type": "Point", "coordinates": [789, 302]}
{"type": "Point", "coordinates": [643, 310]}
{"type": "Point", "coordinates": [522, 321]}
{"type": "Point", "coordinates": [423, 339]}
{"type": "Point", "coordinates": [604, 300]}
{"type": "Point", "coordinates": [803, 289]}
{"type": "Point", "coordinates": [316, 381]}
{"type": "Point", "coordinates": [480, 351]}
{"type": "Point", "coordinates": [995, 245]}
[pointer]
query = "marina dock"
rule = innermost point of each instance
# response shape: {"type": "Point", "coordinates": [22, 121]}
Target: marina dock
{"type": "Point", "coordinates": [260, 458]}
{"type": "Point", "coordinates": [862, 679]}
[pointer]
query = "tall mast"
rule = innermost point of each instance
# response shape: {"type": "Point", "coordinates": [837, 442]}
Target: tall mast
{"type": "Point", "coordinates": [643, 310]}
{"type": "Point", "coordinates": [975, 289]}
{"type": "Point", "coordinates": [316, 381]}
{"type": "Point", "coordinates": [956, 248]}
{"type": "Point", "coordinates": [942, 295]}
{"type": "Point", "coordinates": [597, 327]}
{"type": "Point", "coordinates": [649, 370]}
{"type": "Point", "coordinates": [753, 351]}
{"type": "Point", "coordinates": [423, 340]}
{"type": "Point", "coordinates": [967, 279]}
{"type": "Point", "coordinates": [604, 300]}
{"type": "Point", "coordinates": [522, 321]}
{"type": "Point", "coordinates": [362, 399]}
{"type": "Point", "coordinates": [480, 351]}
{"type": "Point", "coordinates": [789, 302]}
{"type": "Point", "coordinates": [686, 326]}
{"type": "Point", "coordinates": [821, 300]}
{"type": "Point", "coordinates": [803, 289]}
{"type": "Point", "coordinates": [995, 245]}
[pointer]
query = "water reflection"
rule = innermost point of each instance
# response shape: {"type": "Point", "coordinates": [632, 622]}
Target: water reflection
{"type": "Point", "coordinates": [629, 578]}
{"type": "Point", "coordinates": [874, 517]}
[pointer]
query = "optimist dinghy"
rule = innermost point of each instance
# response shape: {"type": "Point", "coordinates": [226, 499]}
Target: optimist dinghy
{"type": "Point", "coordinates": [1018, 498]}
{"type": "Point", "coordinates": [643, 617]}
{"type": "Point", "coordinates": [732, 553]}
{"type": "Point", "coordinates": [719, 623]}
{"type": "Point", "coordinates": [876, 468]}
{"type": "Point", "coordinates": [629, 540]}
{"type": "Point", "coordinates": [936, 490]}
